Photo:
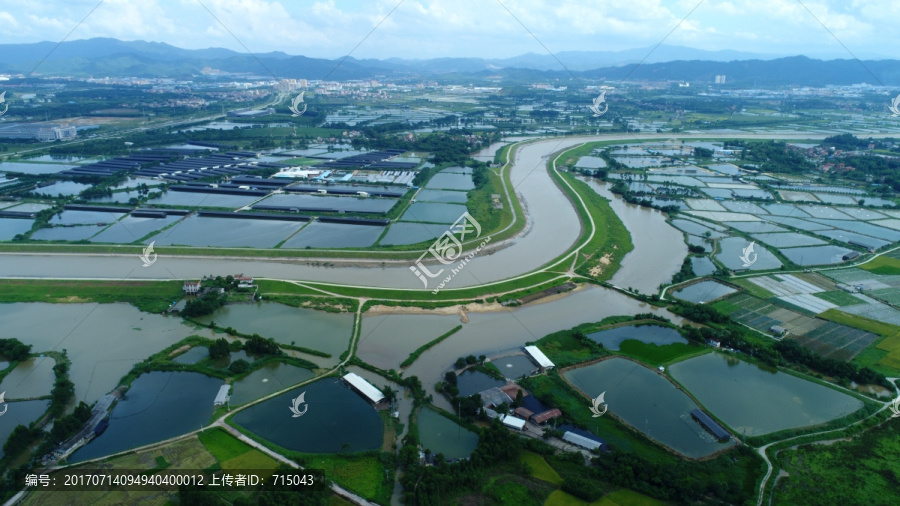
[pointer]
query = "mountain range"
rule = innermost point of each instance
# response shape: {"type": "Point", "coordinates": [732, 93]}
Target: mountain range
{"type": "Point", "coordinates": [101, 57]}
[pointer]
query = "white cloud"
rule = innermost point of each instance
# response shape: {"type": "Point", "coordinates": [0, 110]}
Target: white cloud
{"type": "Point", "coordinates": [434, 28]}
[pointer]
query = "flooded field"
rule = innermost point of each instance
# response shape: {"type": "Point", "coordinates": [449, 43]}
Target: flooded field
{"type": "Point", "coordinates": [20, 413]}
{"type": "Point", "coordinates": [103, 341]}
{"type": "Point", "coordinates": [33, 377]}
{"type": "Point", "coordinates": [386, 340]}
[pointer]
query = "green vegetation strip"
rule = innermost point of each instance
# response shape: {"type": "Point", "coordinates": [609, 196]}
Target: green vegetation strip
{"type": "Point", "coordinates": [150, 296]}
{"type": "Point", "coordinates": [421, 349]}
{"type": "Point", "coordinates": [861, 322]}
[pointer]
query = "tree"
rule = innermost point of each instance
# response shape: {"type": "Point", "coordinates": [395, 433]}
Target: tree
{"type": "Point", "coordinates": [239, 366]}
{"type": "Point", "coordinates": [219, 349]}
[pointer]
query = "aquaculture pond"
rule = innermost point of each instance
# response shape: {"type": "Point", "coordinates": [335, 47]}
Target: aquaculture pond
{"type": "Point", "coordinates": [269, 379]}
{"type": "Point", "coordinates": [20, 413]}
{"type": "Point", "coordinates": [648, 402]}
{"type": "Point", "coordinates": [515, 366]}
{"type": "Point", "coordinates": [226, 232]}
{"type": "Point", "coordinates": [732, 255]}
{"type": "Point", "coordinates": [192, 356]}
{"type": "Point", "coordinates": [334, 235]}
{"type": "Point", "coordinates": [472, 382]}
{"type": "Point", "coordinates": [317, 330]}
{"type": "Point", "coordinates": [387, 340]}
{"type": "Point", "coordinates": [759, 400]}
{"type": "Point", "coordinates": [442, 435]}
{"type": "Point", "coordinates": [650, 334]}
{"type": "Point", "coordinates": [157, 406]}
{"type": "Point", "coordinates": [401, 233]}
{"type": "Point", "coordinates": [703, 291]}
{"type": "Point", "coordinates": [336, 419]}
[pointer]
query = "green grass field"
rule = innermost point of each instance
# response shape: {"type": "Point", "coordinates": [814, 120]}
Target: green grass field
{"type": "Point", "coordinates": [362, 474]}
{"type": "Point", "coordinates": [839, 297]}
{"type": "Point", "coordinates": [655, 355]}
{"type": "Point", "coordinates": [254, 459]}
{"type": "Point", "coordinates": [863, 470]}
{"type": "Point", "coordinates": [540, 469]}
{"type": "Point", "coordinates": [223, 445]}
{"type": "Point", "coordinates": [860, 322]}
{"type": "Point", "coordinates": [885, 265]}
{"type": "Point", "coordinates": [622, 497]}
{"type": "Point", "coordinates": [150, 296]}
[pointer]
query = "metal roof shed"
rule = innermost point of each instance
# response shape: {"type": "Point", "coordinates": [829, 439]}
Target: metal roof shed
{"type": "Point", "coordinates": [513, 422]}
{"type": "Point", "coordinates": [365, 388]}
{"type": "Point", "coordinates": [579, 440]}
{"type": "Point", "coordinates": [539, 357]}
{"type": "Point", "coordinates": [222, 396]}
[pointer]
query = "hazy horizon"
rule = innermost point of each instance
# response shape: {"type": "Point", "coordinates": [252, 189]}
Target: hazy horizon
{"type": "Point", "coordinates": [428, 29]}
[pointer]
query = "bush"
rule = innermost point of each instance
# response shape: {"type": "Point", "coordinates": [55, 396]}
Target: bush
{"type": "Point", "coordinates": [239, 366]}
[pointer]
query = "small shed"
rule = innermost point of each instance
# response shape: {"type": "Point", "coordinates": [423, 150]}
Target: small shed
{"type": "Point", "coordinates": [513, 422]}
{"type": "Point", "coordinates": [538, 356]}
{"type": "Point", "coordinates": [579, 440]}
{"type": "Point", "coordinates": [365, 388]}
{"type": "Point", "coordinates": [222, 396]}
{"type": "Point", "coordinates": [546, 415]}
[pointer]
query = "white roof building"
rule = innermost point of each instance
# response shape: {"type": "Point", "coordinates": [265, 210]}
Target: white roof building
{"type": "Point", "coordinates": [222, 396]}
{"type": "Point", "coordinates": [538, 356]}
{"type": "Point", "coordinates": [365, 388]}
{"type": "Point", "coordinates": [513, 422]}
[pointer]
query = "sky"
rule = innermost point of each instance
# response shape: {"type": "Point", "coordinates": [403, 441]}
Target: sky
{"type": "Point", "coordinates": [468, 28]}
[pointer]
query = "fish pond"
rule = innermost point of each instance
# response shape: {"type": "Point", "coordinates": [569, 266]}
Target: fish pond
{"type": "Point", "coordinates": [648, 402]}
{"type": "Point", "coordinates": [266, 380]}
{"type": "Point", "coordinates": [157, 406]}
{"type": "Point", "coordinates": [759, 400]}
{"type": "Point", "coordinates": [442, 435]}
{"type": "Point", "coordinates": [702, 292]}
{"type": "Point", "coordinates": [650, 334]}
{"type": "Point", "coordinates": [336, 419]}
{"type": "Point", "coordinates": [317, 330]}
